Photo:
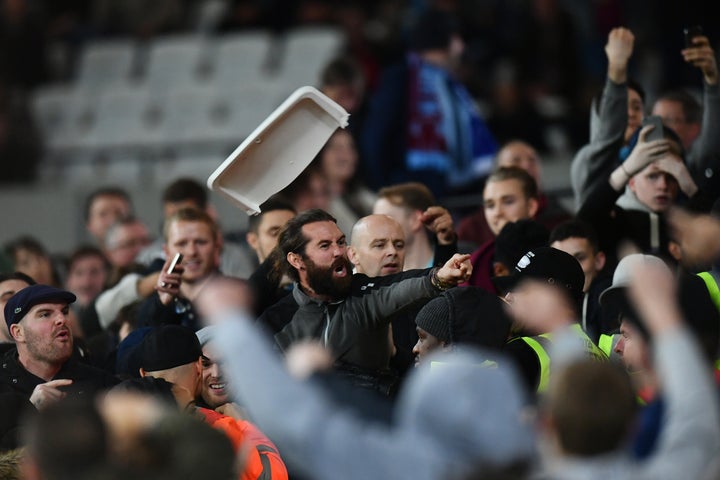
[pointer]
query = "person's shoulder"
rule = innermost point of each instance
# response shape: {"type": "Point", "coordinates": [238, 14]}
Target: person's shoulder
{"type": "Point", "coordinates": [394, 75]}
{"type": "Point", "coordinates": [286, 302]}
{"type": "Point", "coordinates": [484, 250]}
{"type": "Point", "coordinates": [6, 347]}
{"type": "Point", "coordinates": [279, 314]}
{"type": "Point", "coordinates": [81, 371]}
{"type": "Point", "coordinates": [363, 284]}
{"type": "Point", "coordinates": [8, 361]}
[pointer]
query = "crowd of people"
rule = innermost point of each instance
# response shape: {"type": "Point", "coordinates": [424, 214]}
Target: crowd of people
{"type": "Point", "coordinates": [360, 328]}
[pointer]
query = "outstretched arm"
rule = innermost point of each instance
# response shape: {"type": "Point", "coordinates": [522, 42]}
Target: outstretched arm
{"type": "Point", "coordinates": [690, 436]}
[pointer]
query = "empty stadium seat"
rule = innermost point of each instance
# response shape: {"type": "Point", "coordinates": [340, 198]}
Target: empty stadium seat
{"type": "Point", "coordinates": [307, 51]}
{"type": "Point", "coordinates": [125, 120]}
{"type": "Point", "coordinates": [240, 59]}
{"type": "Point", "coordinates": [106, 64]}
{"type": "Point", "coordinates": [174, 61]}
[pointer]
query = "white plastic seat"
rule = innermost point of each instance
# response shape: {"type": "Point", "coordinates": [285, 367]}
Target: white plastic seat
{"type": "Point", "coordinates": [174, 62]}
{"type": "Point", "coordinates": [50, 107]}
{"type": "Point", "coordinates": [65, 116]}
{"type": "Point", "coordinates": [196, 166]}
{"type": "Point", "coordinates": [307, 51]}
{"type": "Point", "coordinates": [124, 120]}
{"type": "Point", "coordinates": [186, 114]}
{"type": "Point", "coordinates": [206, 121]}
{"type": "Point", "coordinates": [239, 59]}
{"type": "Point", "coordinates": [105, 64]}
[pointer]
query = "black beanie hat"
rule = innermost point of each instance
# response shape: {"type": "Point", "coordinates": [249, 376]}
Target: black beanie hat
{"type": "Point", "coordinates": [168, 346]}
{"type": "Point", "coordinates": [434, 318]}
{"type": "Point", "coordinates": [467, 315]}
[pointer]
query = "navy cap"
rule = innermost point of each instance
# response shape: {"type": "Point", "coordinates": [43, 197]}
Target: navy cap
{"type": "Point", "coordinates": [20, 304]}
{"type": "Point", "coordinates": [168, 346]}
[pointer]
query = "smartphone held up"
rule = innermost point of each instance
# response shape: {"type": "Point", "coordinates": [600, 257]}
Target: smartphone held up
{"type": "Point", "coordinates": [657, 133]}
{"type": "Point", "coordinates": [690, 33]}
{"type": "Point", "coordinates": [177, 259]}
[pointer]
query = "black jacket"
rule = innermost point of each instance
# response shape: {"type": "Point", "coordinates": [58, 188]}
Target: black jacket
{"type": "Point", "coordinates": [87, 380]}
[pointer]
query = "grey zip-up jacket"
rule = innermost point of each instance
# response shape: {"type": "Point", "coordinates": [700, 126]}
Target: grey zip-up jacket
{"type": "Point", "coordinates": [355, 328]}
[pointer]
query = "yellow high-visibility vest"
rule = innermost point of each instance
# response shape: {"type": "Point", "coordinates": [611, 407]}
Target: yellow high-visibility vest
{"type": "Point", "coordinates": [541, 346]}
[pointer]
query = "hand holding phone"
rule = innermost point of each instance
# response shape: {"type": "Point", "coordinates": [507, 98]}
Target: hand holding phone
{"type": "Point", "coordinates": [168, 287]}
{"type": "Point", "coordinates": [176, 259]}
{"type": "Point", "coordinates": [656, 133]}
{"type": "Point", "coordinates": [690, 33]}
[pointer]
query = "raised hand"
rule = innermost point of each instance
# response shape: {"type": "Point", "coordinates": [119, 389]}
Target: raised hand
{"type": "Point", "coordinates": [455, 271]}
{"type": "Point", "coordinates": [168, 284]}
{"type": "Point", "coordinates": [439, 221]}
{"type": "Point", "coordinates": [619, 49]}
{"type": "Point", "coordinates": [702, 56]}
{"type": "Point", "coordinates": [675, 167]}
{"type": "Point", "coordinates": [653, 291]}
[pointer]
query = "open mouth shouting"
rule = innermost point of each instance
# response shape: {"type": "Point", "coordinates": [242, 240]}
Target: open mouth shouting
{"type": "Point", "coordinates": [340, 268]}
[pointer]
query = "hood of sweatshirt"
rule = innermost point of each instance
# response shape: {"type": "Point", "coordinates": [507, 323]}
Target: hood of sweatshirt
{"type": "Point", "coordinates": [471, 405]}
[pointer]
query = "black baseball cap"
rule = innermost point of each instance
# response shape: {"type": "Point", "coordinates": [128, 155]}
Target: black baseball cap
{"type": "Point", "coordinates": [168, 346]}
{"type": "Point", "coordinates": [548, 264]}
{"type": "Point", "coordinates": [20, 304]}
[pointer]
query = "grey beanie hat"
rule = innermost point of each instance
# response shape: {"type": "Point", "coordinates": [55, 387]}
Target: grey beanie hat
{"type": "Point", "coordinates": [206, 334]}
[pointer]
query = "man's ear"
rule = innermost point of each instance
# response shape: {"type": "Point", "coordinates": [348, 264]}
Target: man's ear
{"type": "Point", "coordinates": [500, 270]}
{"type": "Point", "coordinates": [295, 260]}
{"type": "Point", "coordinates": [600, 259]}
{"type": "Point", "coordinates": [631, 183]}
{"type": "Point", "coordinates": [415, 222]}
{"type": "Point", "coordinates": [252, 239]}
{"type": "Point", "coordinates": [142, 372]}
{"type": "Point", "coordinates": [533, 206]}
{"type": "Point", "coordinates": [695, 128]}
{"type": "Point", "coordinates": [353, 255]}
{"type": "Point", "coordinates": [675, 250]}
{"type": "Point", "coordinates": [17, 333]}
{"type": "Point", "coordinates": [546, 423]}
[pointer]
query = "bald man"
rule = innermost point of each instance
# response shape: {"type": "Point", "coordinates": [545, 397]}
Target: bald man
{"type": "Point", "coordinates": [377, 249]}
{"type": "Point", "coordinates": [377, 246]}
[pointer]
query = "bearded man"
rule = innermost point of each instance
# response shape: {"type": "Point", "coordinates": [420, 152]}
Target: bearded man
{"type": "Point", "coordinates": [349, 314]}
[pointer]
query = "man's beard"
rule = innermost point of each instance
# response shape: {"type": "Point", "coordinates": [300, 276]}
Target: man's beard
{"type": "Point", "coordinates": [323, 282]}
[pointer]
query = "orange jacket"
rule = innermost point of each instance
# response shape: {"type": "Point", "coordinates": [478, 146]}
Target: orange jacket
{"type": "Point", "coordinates": [262, 458]}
